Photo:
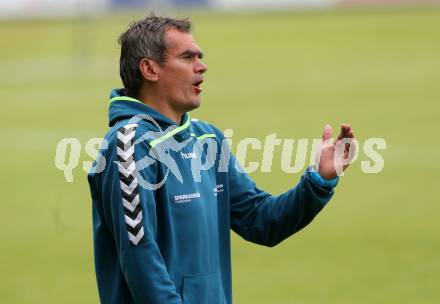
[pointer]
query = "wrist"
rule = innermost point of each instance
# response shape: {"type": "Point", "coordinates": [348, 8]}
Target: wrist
{"type": "Point", "coordinates": [327, 177]}
{"type": "Point", "coordinates": [322, 181]}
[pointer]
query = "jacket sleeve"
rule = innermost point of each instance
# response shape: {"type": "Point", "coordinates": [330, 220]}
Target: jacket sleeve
{"type": "Point", "coordinates": [262, 218]}
{"type": "Point", "coordinates": [130, 214]}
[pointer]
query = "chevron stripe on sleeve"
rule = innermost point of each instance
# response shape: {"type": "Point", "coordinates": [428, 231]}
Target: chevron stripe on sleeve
{"type": "Point", "coordinates": [129, 183]}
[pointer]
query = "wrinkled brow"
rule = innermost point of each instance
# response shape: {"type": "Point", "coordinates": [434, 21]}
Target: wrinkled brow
{"type": "Point", "coordinates": [191, 53]}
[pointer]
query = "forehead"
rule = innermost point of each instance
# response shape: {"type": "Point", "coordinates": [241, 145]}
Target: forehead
{"type": "Point", "coordinates": [178, 42]}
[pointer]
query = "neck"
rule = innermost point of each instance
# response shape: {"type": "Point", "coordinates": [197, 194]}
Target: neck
{"type": "Point", "coordinates": [161, 105]}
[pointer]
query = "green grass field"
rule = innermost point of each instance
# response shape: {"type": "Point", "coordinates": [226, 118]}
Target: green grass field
{"type": "Point", "coordinates": [290, 73]}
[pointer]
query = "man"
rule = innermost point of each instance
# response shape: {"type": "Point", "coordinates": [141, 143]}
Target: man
{"type": "Point", "coordinates": [163, 206]}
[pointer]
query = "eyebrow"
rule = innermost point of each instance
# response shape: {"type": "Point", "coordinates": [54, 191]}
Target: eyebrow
{"type": "Point", "coordinates": [191, 53]}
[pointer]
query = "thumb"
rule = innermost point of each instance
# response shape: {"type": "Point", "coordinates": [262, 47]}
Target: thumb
{"type": "Point", "coordinates": [327, 134]}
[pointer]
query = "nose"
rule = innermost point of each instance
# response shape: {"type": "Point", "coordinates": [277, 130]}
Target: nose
{"type": "Point", "coordinates": [201, 67]}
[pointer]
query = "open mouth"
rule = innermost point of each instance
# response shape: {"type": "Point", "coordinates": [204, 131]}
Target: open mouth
{"type": "Point", "coordinates": [196, 86]}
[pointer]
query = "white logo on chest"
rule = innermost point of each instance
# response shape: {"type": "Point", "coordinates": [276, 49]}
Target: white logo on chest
{"type": "Point", "coordinates": [188, 155]}
{"type": "Point", "coordinates": [218, 188]}
{"type": "Point", "coordinates": [186, 198]}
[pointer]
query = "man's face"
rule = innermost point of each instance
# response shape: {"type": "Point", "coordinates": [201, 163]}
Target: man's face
{"type": "Point", "coordinates": [181, 75]}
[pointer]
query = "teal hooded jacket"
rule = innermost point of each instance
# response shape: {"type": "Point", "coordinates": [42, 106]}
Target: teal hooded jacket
{"type": "Point", "coordinates": [165, 198]}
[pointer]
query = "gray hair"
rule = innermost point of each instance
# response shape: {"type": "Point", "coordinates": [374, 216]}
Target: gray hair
{"type": "Point", "coordinates": [145, 39]}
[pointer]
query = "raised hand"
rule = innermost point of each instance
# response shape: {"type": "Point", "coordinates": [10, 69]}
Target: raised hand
{"type": "Point", "coordinates": [334, 157]}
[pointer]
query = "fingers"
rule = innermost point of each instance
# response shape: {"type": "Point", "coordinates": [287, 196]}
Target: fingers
{"type": "Point", "coordinates": [349, 144]}
{"type": "Point", "coordinates": [345, 148]}
{"type": "Point", "coordinates": [326, 138]}
{"type": "Point", "coordinates": [345, 131]}
{"type": "Point", "coordinates": [350, 151]}
{"type": "Point", "coordinates": [350, 133]}
{"type": "Point", "coordinates": [327, 133]}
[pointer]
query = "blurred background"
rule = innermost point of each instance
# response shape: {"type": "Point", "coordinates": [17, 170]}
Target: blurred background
{"type": "Point", "coordinates": [280, 66]}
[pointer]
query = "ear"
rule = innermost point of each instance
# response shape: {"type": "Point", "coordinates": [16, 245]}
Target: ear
{"type": "Point", "coordinates": [149, 69]}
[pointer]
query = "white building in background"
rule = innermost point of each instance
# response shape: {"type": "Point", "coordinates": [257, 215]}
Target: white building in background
{"type": "Point", "coordinates": [54, 8]}
{"type": "Point", "coordinates": [36, 8]}
{"type": "Point", "coordinates": [238, 4]}
{"type": "Point", "coordinates": [33, 8]}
